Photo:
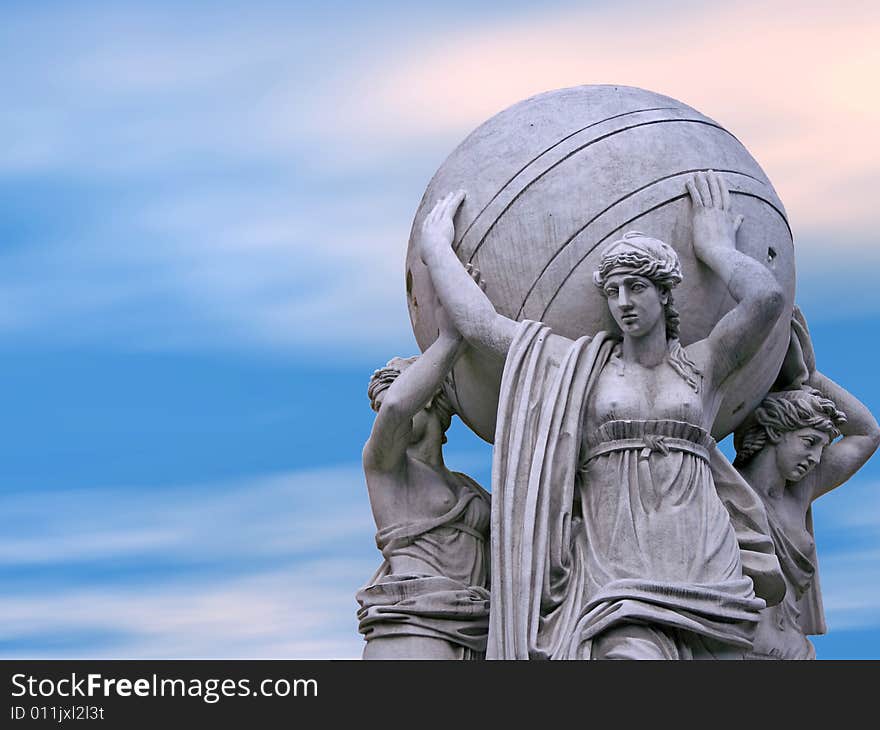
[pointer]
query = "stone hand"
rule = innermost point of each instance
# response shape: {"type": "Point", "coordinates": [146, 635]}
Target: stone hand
{"type": "Point", "coordinates": [714, 224]}
{"type": "Point", "coordinates": [438, 228]}
{"type": "Point", "coordinates": [476, 276]}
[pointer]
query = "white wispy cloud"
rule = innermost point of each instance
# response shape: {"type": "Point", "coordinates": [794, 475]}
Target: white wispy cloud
{"type": "Point", "coordinates": [847, 524]}
{"type": "Point", "coordinates": [201, 219]}
{"type": "Point", "coordinates": [277, 517]}
{"type": "Point", "coordinates": [304, 612]}
{"type": "Point", "coordinates": [257, 567]}
{"type": "Point", "coordinates": [790, 79]}
{"type": "Point", "coordinates": [853, 505]}
{"type": "Point", "coordinates": [268, 566]}
{"type": "Point", "coordinates": [851, 589]}
{"type": "Point", "coordinates": [241, 190]}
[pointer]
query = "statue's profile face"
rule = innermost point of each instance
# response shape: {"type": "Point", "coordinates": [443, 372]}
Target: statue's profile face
{"type": "Point", "coordinates": [798, 452]}
{"type": "Point", "coordinates": [635, 303]}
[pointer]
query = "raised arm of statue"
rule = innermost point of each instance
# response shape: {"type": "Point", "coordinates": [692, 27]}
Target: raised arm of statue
{"type": "Point", "coordinates": [468, 306]}
{"type": "Point", "coordinates": [786, 449]}
{"type": "Point", "coordinates": [861, 437]}
{"type": "Point", "coordinates": [386, 447]}
{"type": "Point", "coordinates": [742, 331]}
{"type": "Point", "coordinates": [861, 433]}
{"type": "Point", "coordinates": [409, 393]}
{"type": "Point", "coordinates": [429, 598]}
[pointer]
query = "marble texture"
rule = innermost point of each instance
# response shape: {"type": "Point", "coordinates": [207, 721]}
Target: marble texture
{"type": "Point", "coordinates": [638, 303]}
{"type": "Point", "coordinates": [555, 178]}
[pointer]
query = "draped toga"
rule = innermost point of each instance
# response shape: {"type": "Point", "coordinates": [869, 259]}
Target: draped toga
{"type": "Point", "coordinates": [642, 523]}
{"type": "Point", "coordinates": [450, 599]}
{"type": "Point", "coordinates": [782, 633]}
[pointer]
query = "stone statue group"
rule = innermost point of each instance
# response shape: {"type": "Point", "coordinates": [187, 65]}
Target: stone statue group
{"type": "Point", "coordinates": [616, 528]}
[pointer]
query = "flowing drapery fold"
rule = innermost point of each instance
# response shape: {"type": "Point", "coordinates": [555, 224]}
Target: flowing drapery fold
{"type": "Point", "coordinates": [542, 605]}
{"type": "Point", "coordinates": [449, 602]}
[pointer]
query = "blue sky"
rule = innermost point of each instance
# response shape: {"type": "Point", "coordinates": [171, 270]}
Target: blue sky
{"type": "Point", "coordinates": [203, 221]}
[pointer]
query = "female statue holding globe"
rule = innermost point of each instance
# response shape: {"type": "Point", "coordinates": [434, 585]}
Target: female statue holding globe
{"type": "Point", "coordinates": [787, 449]}
{"type": "Point", "coordinates": [429, 598]}
{"type": "Point", "coordinates": [618, 530]}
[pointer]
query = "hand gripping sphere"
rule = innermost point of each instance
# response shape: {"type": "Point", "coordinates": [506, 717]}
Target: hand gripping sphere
{"type": "Point", "coordinates": [553, 179]}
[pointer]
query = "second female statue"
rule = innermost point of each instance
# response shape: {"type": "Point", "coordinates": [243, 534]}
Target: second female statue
{"type": "Point", "coordinates": [618, 529]}
{"type": "Point", "coordinates": [429, 598]}
{"type": "Point", "coordinates": [789, 451]}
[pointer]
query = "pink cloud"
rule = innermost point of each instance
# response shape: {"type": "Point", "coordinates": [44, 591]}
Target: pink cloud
{"type": "Point", "coordinates": [794, 81]}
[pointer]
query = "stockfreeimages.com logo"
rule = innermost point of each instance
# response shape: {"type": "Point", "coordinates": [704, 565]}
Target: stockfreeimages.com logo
{"type": "Point", "coordinates": [209, 690]}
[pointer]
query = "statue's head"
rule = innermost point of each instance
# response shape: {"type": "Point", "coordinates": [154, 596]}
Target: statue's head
{"type": "Point", "coordinates": [637, 274]}
{"type": "Point", "coordinates": [439, 406]}
{"type": "Point", "coordinates": [797, 425]}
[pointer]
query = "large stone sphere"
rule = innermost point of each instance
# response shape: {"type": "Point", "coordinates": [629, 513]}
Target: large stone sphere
{"type": "Point", "coordinates": [552, 180]}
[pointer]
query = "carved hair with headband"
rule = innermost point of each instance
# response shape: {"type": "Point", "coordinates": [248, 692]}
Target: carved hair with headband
{"type": "Point", "coordinates": [384, 377]}
{"type": "Point", "coordinates": [787, 410]}
{"type": "Point", "coordinates": [641, 255]}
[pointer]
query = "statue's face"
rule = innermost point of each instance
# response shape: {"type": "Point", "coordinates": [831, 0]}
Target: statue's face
{"type": "Point", "coordinates": [798, 452]}
{"type": "Point", "coordinates": [635, 303]}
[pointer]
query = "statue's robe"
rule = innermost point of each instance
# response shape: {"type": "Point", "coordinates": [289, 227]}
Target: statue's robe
{"type": "Point", "coordinates": [540, 603]}
{"type": "Point", "coordinates": [451, 601]}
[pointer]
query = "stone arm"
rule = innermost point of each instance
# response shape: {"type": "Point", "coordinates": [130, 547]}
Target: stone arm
{"type": "Point", "coordinates": [861, 437]}
{"type": "Point", "coordinates": [759, 298]}
{"type": "Point", "coordinates": [385, 449]}
{"type": "Point", "coordinates": [468, 306]}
